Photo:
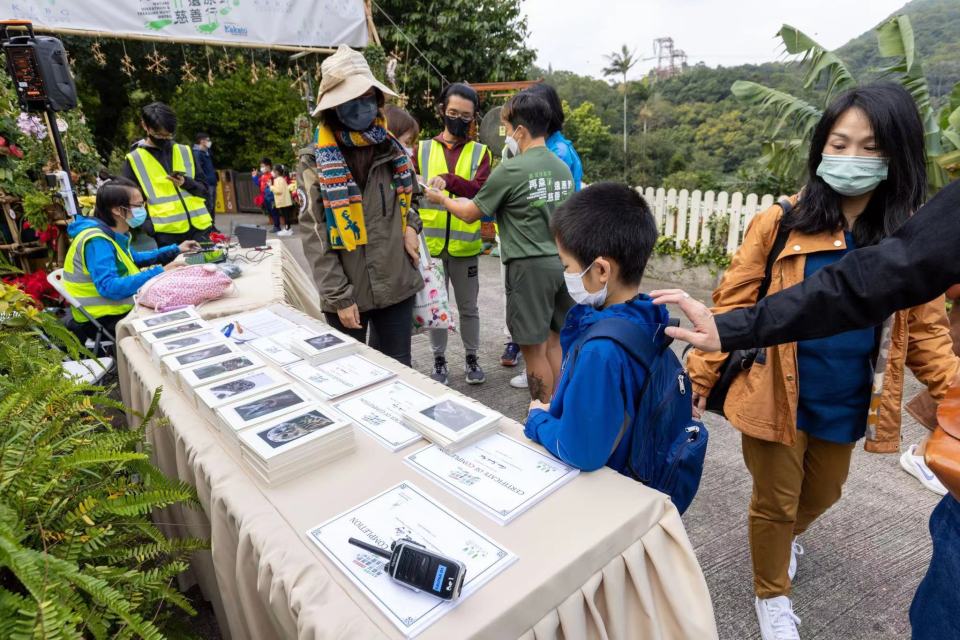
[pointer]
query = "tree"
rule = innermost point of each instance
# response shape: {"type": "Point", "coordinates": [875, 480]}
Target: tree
{"type": "Point", "coordinates": [590, 137]}
{"type": "Point", "coordinates": [462, 40]}
{"type": "Point", "coordinates": [620, 64]}
{"type": "Point", "coordinates": [248, 120]}
{"type": "Point", "coordinates": [795, 118]}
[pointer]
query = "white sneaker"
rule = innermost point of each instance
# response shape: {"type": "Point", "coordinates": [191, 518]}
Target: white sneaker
{"type": "Point", "coordinates": [520, 381]}
{"type": "Point", "coordinates": [776, 618]}
{"type": "Point", "coordinates": [915, 466]}
{"type": "Point", "coordinates": [796, 550]}
{"type": "Point", "coordinates": [285, 233]}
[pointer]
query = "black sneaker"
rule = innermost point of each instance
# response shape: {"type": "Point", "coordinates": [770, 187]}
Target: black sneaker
{"type": "Point", "coordinates": [440, 373]}
{"type": "Point", "coordinates": [474, 373]}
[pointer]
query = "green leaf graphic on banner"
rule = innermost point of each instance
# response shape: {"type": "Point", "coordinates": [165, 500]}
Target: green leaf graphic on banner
{"type": "Point", "coordinates": [210, 27]}
{"type": "Point", "coordinates": [157, 25]}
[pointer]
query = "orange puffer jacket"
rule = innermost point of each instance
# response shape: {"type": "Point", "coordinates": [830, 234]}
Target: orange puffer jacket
{"type": "Point", "coordinates": [762, 403]}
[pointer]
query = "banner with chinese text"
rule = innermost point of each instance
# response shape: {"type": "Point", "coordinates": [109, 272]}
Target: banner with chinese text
{"type": "Point", "coordinates": [305, 23]}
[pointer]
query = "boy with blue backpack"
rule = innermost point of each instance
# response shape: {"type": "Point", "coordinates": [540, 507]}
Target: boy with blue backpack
{"type": "Point", "coordinates": [623, 399]}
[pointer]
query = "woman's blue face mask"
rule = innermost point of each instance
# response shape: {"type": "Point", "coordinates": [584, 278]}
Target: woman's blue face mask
{"type": "Point", "coordinates": [138, 217]}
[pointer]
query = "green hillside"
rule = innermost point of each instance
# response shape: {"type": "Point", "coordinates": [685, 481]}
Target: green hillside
{"type": "Point", "coordinates": [936, 27]}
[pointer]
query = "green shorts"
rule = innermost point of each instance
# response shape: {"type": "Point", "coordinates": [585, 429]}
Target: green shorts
{"type": "Point", "coordinates": [537, 299]}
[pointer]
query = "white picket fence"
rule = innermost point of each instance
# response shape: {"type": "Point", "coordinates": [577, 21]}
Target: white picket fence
{"type": "Point", "coordinates": [685, 215]}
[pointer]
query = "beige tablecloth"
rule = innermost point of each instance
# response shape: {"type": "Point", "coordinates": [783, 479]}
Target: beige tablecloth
{"type": "Point", "coordinates": [603, 557]}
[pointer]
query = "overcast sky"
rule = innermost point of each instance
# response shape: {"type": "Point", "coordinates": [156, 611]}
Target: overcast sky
{"type": "Point", "coordinates": [574, 34]}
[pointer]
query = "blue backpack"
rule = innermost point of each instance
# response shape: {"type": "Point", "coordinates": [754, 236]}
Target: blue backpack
{"type": "Point", "coordinates": [666, 445]}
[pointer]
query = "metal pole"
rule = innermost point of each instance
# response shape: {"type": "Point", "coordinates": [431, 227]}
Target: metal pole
{"type": "Point", "coordinates": [309, 93]}
{"type": "Point", "coordinates": [61, 153]}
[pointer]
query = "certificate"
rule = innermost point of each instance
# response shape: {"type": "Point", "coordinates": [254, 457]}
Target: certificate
{"type": "Point", "coordinates": [340, 377]}
{"type": "Point", "coordinates": [406, 512]}
{"type": "Point", "coordinates": [379, 412]}
{"type": "Point", "coordinates": [256, 324]}
{"type": "Point", "coordinates": [498, 475]}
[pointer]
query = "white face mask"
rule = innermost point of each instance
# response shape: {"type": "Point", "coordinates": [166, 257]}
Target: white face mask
{"type": "Point", "coordinates": [579, 292]}
{"type": "Point", "coordinates": [513, 146]}
{"type": "Point", "coordinates": [209, 145]}
{"type": "Point", "coordinates": [263, 169]}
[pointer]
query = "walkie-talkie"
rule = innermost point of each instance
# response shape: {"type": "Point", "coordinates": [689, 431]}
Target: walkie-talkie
{"type": "Point", "coordinates": [413, 566]}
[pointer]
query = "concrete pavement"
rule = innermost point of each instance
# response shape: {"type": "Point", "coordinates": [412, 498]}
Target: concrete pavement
{"type": "Point", "coordinates": [864, 558]}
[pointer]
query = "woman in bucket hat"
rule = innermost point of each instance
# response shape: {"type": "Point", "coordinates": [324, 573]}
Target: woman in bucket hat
{"type": "Point", "coordinates": [361, 232]}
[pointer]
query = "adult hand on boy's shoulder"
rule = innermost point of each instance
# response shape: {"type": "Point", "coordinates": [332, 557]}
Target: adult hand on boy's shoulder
{"type": "Point", "coordinates": [536, 404]}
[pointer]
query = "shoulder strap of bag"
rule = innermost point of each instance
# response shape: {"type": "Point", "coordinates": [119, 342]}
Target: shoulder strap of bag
{"type": "Point", "coordinates": [779, 242]}
{"type": "Point", "coordinates": [638, 344]}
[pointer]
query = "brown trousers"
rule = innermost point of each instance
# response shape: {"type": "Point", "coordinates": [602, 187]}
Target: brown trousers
{"type": "Point", "coordinates": [792, 487]}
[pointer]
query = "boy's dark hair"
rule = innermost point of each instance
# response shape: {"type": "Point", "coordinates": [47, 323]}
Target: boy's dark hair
{"type": "Point", "coordinates": [159, 117]}
{"type": "Point", "coordinates": [113, 193]}
{"type": "Point", "coordinates": [611, 220]}
{"type": "Point", "coordinates": [548, 93]}
{"type": "Point", "coordinates": [529, 111]}
{"type": "Point", "coordinates": [200, 137]}
{"type": "Point", "coordinates": [267, 161]}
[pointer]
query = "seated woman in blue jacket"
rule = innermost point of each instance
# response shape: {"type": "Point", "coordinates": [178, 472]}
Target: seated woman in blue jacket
{"type": "Point", "coordinates": [101, 271]}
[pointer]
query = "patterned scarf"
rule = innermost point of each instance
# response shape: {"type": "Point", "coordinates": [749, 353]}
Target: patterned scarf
{"type": "Point", "coordinates": [342, 199]}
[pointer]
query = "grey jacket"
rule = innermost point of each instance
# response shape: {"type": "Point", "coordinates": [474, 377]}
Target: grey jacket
{"type": "Point", "coordinates": [376, 275]}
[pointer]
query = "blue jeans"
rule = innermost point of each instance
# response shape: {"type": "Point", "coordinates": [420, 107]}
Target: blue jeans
{"type": "Point", "coordinates": [933, 614]}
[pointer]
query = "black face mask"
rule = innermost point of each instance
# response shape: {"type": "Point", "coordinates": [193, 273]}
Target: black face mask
{"type": "Point", "coordinates": [358, 114]}
{"type": "Point", "coordinates": [458, 128]}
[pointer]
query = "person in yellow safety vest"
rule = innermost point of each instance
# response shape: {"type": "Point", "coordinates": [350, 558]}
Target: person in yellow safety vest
{"type": "Point", "coordinates": [167, 175]}
{"type": "Point", "coordinates": [100, 270]}
{"type": "Point", "coordinates": [456, 164]}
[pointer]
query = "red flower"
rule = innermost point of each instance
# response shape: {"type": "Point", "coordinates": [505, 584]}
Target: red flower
{"type": "Point", "coordinates": [48, 235]}
{"type": "Point", "coordinates": [3, 141]}
{"type": "Point", "coordinates": [16, 151]}
{"type": "Point", "coordinates": [36, 286]}
{"type": "Point", "coordinates": [26, 224]}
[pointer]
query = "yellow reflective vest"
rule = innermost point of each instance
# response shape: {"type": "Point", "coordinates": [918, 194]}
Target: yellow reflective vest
{"type": "Point", "coordinates": [79, 284]}
{"type": "Point", "coordinates": [442, 230]}
{"type": "Point", "coordinates": [171, 209]}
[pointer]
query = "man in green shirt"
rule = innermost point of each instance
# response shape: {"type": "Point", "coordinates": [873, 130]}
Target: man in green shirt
{"type": "Point", "coordinates": [522, 194]}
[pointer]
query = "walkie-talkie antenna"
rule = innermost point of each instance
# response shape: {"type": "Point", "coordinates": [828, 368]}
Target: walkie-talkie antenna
{"type": "Point", "coordinates": [383, 553]}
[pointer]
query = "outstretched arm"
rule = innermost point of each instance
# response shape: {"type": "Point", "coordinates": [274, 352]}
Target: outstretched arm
{"type": "Point", "coordinates": [462, 208]}
{"type": "Point", "coordinates": [911, 267]}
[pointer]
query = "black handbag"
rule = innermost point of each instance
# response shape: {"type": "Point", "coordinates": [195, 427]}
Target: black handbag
{"type": "Point", "coordinates": [741, 360]}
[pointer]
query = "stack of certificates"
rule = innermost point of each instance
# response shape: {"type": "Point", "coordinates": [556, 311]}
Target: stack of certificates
{"type": "Point", "coordinates": [284, 448]}
{"type": "Point", "coordinates": [452, 422]}
{"type": "Point", "coordinates": [316, 347]}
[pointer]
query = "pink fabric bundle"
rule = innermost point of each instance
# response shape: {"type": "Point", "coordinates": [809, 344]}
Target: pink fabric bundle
{"type": "Point", "coordinates": [191, 285]}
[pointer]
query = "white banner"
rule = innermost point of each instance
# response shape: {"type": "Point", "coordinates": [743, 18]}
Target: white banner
{"type": "Point", "coordinates": [303, 23]}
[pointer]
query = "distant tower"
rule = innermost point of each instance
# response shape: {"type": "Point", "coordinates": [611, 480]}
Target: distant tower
{"type": "Point", "coordinates": [670, 61]}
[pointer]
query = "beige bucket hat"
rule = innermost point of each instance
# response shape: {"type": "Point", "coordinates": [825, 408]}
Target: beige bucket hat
{"type": "Point", "coordinates": [344, 76]}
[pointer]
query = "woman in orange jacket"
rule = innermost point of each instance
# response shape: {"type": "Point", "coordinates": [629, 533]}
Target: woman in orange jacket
{"type": "Point", "coordinates": [802, 406]}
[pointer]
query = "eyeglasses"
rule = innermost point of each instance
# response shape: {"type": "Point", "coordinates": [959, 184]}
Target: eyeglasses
{"type": "Point", "coordinates": [453, 113]}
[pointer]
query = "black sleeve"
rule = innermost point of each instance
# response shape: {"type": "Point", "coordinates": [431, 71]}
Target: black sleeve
{"type": "Point", "coordinates": [911, 267]}
{"type": "Point", "coordinates": [128, 173]}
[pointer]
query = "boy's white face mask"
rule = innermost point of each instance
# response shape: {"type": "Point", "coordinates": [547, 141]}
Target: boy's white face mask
{"type": "Point", "coordinates": [579, 292]}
